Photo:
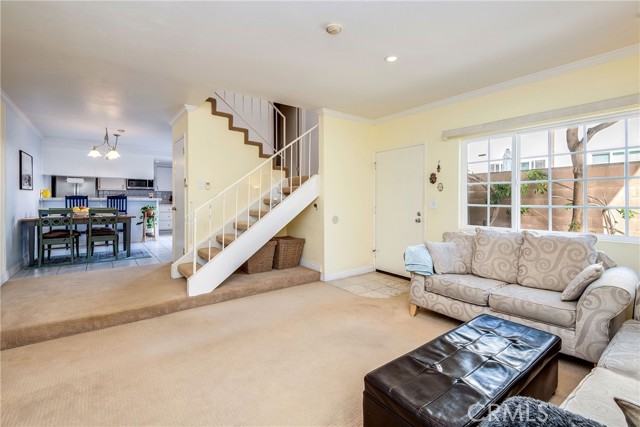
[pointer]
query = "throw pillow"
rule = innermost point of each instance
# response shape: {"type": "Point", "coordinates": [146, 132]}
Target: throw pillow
{"type": "Point", "coordinates": [446, 258]}
{"type": "Point", "coordinates": [607, 262]}
{"type": "Point", "coordinates": [418, 260]}
{"type": "Point", "coordinates": [551, 261]}
{"type": "Point", "coordinates": [495, 255]}
{"type": "Point", "coordinates": [465, 243]}
{"type": "Point", "coordinates": [630, 410]}
{"type": "Point", "coordinates": [578, 284]}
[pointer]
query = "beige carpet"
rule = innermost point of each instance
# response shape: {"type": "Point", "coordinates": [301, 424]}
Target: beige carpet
{"type": "Point", "coordinates": [295, 356]}
{"type": "Point", "coordinates": [49, 307]}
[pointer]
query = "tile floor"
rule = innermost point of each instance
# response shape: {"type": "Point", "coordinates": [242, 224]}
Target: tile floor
{"type": "Point", "coordinates": [160, 251]}
{"type": "Point", "coordinates": [373, 285]}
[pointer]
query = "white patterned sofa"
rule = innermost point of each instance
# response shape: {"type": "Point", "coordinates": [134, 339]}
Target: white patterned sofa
{"type": "Point", "coordinates": [616, 376]}
{"type": "Point", "coordinates": [523, 277]}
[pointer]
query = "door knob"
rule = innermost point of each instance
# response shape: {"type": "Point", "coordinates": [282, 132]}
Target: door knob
{"type": "Point", "coordinates": [173, 208]}
{"type": "Point", "coordinates": [418, 220]}
{"type": "Point", "coordinates": [418, 213]}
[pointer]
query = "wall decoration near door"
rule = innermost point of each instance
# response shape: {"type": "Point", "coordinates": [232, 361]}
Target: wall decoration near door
{"type": "Point", "coordinates": [26, 171]}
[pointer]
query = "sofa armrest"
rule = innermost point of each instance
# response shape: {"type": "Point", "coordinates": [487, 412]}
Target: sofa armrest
{"type": "Point", "coordinates": [602, 308]}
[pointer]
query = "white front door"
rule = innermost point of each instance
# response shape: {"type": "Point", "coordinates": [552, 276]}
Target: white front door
{"type": "Point", "coordinates": [399, 206]}
{"type": "Point", "coordinates": [179, 223]}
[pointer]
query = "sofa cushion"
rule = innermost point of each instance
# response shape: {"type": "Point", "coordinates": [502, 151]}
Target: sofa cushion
{"type": "Point", "coordinates": [462, 287]}
{"type": "Point", "coordinates": [446, 258]}
{"type": "Point", "coordinates": [535, 304]}
{"type": "Point", "coordinates": [622, 355]}
{"type": "Point", "coordinates": [551, 261]}
{"type": "Point", "coordinates": [495, 255]}
{"type": "Point", "coordinates": [578, 284]}
{"type": "Point", "coordinates": [465, 245]}
{"type": "Point", "coordinates": [593, 398]}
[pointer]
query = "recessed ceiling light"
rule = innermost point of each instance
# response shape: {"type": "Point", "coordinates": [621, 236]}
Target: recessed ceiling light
{"type": "Point", "coordinates": [333, 29]}
{"type": "Point", "coordinates": [391, 58]}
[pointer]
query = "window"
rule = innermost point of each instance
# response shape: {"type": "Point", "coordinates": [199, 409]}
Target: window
{"type": "Point", "coordinates": [576, 177]}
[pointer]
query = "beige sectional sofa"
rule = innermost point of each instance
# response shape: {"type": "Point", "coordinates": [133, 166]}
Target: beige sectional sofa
{"type": "Point", "coordinates": [616, 376]}
{"type": "Point", "coordinates": [522, 277]}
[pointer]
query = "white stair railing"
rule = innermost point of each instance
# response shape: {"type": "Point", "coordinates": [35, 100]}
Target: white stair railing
{"type": "Point", "coordinates": [261, 117]}
{"type": "Point", "coordinates": [224, 210]}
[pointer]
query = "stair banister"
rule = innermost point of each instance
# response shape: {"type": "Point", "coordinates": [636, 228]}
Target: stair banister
{"type": "Point", "coordinates": [236, 183]}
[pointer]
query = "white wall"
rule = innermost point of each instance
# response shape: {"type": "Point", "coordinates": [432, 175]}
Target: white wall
{"type": "Point", "coordinates": [19, 134]}
{"type": "Point", "coordinates": [69, 158]}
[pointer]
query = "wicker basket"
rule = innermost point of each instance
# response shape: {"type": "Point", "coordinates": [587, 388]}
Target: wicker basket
{"type": "Point", "coordinates": [261, 261]}
{"type": "Point", "coordinates": [288, 252]}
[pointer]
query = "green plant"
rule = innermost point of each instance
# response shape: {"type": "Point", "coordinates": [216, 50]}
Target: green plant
{"type": "Point", "coordinates": [151, 217]}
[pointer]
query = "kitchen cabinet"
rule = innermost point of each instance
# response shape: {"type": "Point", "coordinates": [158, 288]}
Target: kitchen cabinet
{"type": "Point", "coordinates": [112, 184]}
{"type": "Point", "coordinates": [164, 179]}
{"type": "Point", "coordinates": [165, 221]}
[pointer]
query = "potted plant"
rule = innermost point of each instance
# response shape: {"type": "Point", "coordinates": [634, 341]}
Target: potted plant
{"type": "Point", "coordinates": [148, 214]}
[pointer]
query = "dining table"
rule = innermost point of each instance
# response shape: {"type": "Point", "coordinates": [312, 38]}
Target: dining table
{"type": "Point", "coordinates": [30, 224]}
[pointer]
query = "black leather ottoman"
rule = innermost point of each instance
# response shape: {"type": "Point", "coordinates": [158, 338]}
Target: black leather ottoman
{"type": "Point", "coordinates": [454, 379]}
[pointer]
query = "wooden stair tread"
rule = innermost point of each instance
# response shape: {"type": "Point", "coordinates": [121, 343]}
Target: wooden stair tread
{"type": "Point", "coordinates": [289, 190]}
{"type": "Point", "coordinates": [204, 253]}
{"type": "Point", "coordinates": [243, 225]}
{"type": "Point", "coordinates": [186, 269]}
{"type": "Point", "coordinates": [263, 211]}
{"type": "Point", "coordinates": [266, 202]}
{"type": "Point", "coordinates": [225, 238]}
{"type": "Point", "coordinates": [297, 180]}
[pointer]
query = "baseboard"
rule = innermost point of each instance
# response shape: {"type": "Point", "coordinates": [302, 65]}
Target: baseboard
{"type": "Point", "coordinates": [309, 264]}
{"type": "Point", "coordinates": [6, 275]}
{"type": "Point", "coordinates": [347, 273]}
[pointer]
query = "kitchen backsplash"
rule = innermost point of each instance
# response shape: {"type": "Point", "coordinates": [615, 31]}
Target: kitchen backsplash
{"type": "Point", "coordinates": [164, 195]}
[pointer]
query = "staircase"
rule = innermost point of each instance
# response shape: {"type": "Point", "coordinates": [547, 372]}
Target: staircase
{"type": "Point", "coordinates": [238, 221]}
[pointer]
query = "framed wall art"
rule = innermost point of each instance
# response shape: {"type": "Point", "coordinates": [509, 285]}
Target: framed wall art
{"type": "Point", "coordinates": [26, 171]}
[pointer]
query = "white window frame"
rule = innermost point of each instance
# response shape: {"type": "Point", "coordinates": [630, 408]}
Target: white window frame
{"type": "Point", "coordinates": [516, 171]}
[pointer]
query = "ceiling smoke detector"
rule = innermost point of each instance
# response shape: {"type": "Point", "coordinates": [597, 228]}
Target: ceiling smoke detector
{"type": "Point", "coordinates": [333, 29]}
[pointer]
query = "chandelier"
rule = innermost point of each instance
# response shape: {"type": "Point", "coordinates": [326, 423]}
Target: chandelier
{"type": "Point", "coordinates": [105, 149]}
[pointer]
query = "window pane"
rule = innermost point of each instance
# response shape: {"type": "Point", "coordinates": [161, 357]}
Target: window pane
{"type": "Point", "coordinates": [500, 148]}
{"type": "Point", "coordinates": [634, 192]}
{"type": "Point", "coordinates": [477, 215]}
{"type": "Point", "coordinates": [500, 194]}
{"type": "Point", "coordinates": [562, 194]}
{"type": "Point", "coordinates": [477, 194]}
{"type": "Point", "coordinates": [535, 144]}
{"type": "Point", "coordinates": [605, 164]}
{"type": "Point", "coordinates": [608, 135]}
{"type": "Point", "coordinates": [536, 174]}
{"type": "Point", "coordinates": [567, 219]}
{"type": "Point", "coordinates": [606, 221]}
{"type": "Point", "coordinates": [477, 150]}
{"type": "Point", "coordinates": [634, 222]}
{"type": "Point", "coordinates": [562, 167]}
{"type": "Point", "coordinates": [500, 171]}
{"type": "Point", "coordinates": [534, 218]}
{"type": "Point", "coordinates": [558, 139]}
{"type": "Point", "coordinates": [501, 217]}
{"type": "Point", "coordinates": [534, 193]}
{"type": "Point", "coordinates": [478, 168]}
{"type": "Point", "coordinates": [606, 192]}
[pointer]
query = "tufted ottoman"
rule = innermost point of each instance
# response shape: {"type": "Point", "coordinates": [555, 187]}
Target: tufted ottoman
{"type": "Point", "coordinates": [456, 378]}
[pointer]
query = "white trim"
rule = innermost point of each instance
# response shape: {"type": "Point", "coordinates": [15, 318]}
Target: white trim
{"type": "Point", "coordinates": [531, 78]}
{"type": "Point", "coordinates": [513, 123]}
{"type": "Point", "coordinates": [309, 264]}
{"type": "Point", "coordinates": [9, 273]}
{"type": "Point", "coordinates": [347, 273]}
{"type": "Point", "coordinates": [186, 108]}
{"type": "Point", "coordinates": [344, 116]}
{"type": "Point", "coordinates": [21, 115]}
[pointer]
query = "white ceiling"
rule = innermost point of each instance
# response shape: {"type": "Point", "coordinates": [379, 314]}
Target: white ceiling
{"type": "Point", "coordinates": [77, 67]}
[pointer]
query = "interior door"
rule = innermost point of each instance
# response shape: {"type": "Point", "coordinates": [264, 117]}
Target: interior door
{"type": "Point", "coordinates": [178, 208]}
{"type": "Point", "coordinates": [399, 206]}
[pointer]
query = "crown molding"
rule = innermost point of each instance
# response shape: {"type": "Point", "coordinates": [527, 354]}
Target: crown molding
{"type": "Point", "coordinates": [520, 81]}
{"type": "Point", "coordinates": [21, 115]}
{"type": "Point", "coordinates": [186, 108]}
{"type": "Point", "coordinates": [344, 116]}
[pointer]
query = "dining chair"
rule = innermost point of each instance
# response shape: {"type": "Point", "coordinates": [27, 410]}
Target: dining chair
{"type": "Point", "coordinates": [101, 228]}
{"type": "Point", "coordinates": [60, 224]}
{"type": "Point", "coordinates": [71, 202]}
{"type": "Point", "coordinates": [120, 203]}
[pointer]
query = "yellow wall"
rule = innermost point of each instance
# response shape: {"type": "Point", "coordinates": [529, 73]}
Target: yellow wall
{"type": "Point", "coordinates": [346, 173]}
{"type": "Point", "coordinates": [3, 259]}
{"type": "Point", "coordinates": [600, 82]}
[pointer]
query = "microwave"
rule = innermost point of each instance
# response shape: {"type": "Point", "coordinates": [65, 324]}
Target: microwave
{"type": "Point", "coordinates": [139, 184]}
